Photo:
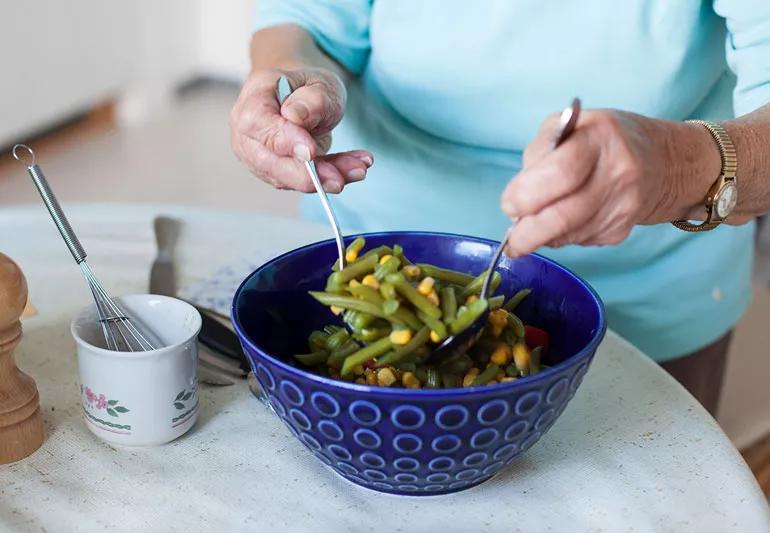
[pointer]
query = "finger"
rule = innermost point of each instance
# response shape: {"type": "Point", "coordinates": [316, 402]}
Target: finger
{"type": "Point", "coordinates": [315, 104]}
{"type": "Point", "coordinates": [556, 175]}
{"type": "Point", "coordinates": [259, 117]}
{"type": "Point", "coordinates": [286, 172]}
{"type": "Point", "coordinates": [351, 165]}
{"type": "Point", "coordinates": [542, 144]}
{"type": "Point", "coordinates": [324, 142]}
{"type": "Point", "coordinates": [552, 223]}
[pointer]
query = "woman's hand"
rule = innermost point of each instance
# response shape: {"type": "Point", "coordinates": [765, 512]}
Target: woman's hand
{"type": "Point", "coordinates": [616, 170]}
{"type": "Point", "coordinates": [274, 140]}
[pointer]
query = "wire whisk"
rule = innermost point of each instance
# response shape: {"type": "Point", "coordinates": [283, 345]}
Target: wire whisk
{"type": "Point", "coordinates": [120, 333]}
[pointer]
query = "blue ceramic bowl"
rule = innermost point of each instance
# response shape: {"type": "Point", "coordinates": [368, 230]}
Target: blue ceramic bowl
{"type": "Point", "coordinates": [419, 442]}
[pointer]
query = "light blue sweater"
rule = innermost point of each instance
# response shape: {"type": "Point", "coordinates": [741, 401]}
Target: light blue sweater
{"type": "Point", "coordinates": [453, 90]}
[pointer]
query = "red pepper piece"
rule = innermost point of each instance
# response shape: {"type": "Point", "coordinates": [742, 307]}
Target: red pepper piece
{"type": "Point", "coordinates": [535, 337]}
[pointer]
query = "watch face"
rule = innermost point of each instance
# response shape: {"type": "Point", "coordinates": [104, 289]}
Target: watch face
{"type": "Point", "coordinates": [726, 200]}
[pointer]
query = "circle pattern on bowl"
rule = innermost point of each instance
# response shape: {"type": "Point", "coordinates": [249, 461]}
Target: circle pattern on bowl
{"type": "Point", "coordinates": [452, 417]}
{"type": "Point", "coordinates": [365, 413]}
{"type": "Point", "coordinates": [324, 404]}
{"type": "Point", "coordinates": [292, 394]}
{"type": "Point", "coordinates": [367, 438]}
{"type": "Point", "coordinates": [331, 430]}
{"type": "Point", "coordinates": [407, 417]}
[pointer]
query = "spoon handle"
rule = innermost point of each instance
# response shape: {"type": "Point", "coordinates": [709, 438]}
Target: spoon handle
{"type": "Point", "coordinates": [569, 119]}
{"type": "Point", "coordinates": [284, 90]}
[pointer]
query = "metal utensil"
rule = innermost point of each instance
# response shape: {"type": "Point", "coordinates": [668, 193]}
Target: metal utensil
{"type": "Point", "coordinates": [120, 334]}
{"type": "Point", "coordinates": [219, 339]}
{"type": "Point", "coordinates": [284, 90]}
{"type": "Point", "coordinates": [460, 343]}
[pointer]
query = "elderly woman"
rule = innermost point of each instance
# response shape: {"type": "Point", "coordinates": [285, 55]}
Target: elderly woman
{"type": "Point", "coordinates": [456, 100]}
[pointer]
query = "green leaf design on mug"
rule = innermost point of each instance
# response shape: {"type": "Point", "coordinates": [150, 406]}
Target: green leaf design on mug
{"type": "Point", "coordinates": [187, 396]}
{"type": "Point", "coordinates": [111, 412]}
{"type": "Point", "coordinates": [121, 409]}
{"type": "Point", "coordinates": [179, 405]}
{"type": "Point", "coordinates": [112, 402]}
{"type": "Point", "coordinates": [179, 396]}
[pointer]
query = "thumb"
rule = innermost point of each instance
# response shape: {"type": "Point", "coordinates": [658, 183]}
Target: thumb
{"type": "Point", "coordinates": [317, 101]}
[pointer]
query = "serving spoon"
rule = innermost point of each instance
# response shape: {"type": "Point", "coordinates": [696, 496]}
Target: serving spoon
{"type": "Point", "coordinates": [461, 342]}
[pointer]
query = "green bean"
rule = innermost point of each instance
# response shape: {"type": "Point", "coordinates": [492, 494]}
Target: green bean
{"type": "Point", "coordinates": [331, 328]}
{"type": "Point", "coordinates": [434, 324]}
{"type": "Point", "coordinates": [418, 339]}
{"type": "Point", "coordinates": [465, 319]}
{"type": "Point", "coordinates": [390, 306]}
{"type": "Point", "coordinates": [451, 380]}
{"type": "Point", "coordinates": [362, 320]}
{"type": "Point", "coordinates": [365, 354]}
{"type": "Point", "coordinates": [355, 246]}
{"type": "Point", "coordinates": [534, 360]}
{"type": "Point", "coordinates": [371, 334]}
{"type": "Point", "coordinates": [367, 294]}
{"type": "Point", "coordinates": [398, 251]}
{"type": "Point", "coordinates": [388, 267]}
{"type": "Point", "coordinates": [388, 291]}
{"type": "Point", "coordinates": [516, 325]}
{"type": "Point", "coordinates": [336, 339]}
{"type": "Point", "coordinates": [317, 340]}
{"type": "Point", "coordinates": [448, 303]}
{"type": "Point", "coordinates": [487, 375]}
{"type": "Point", "coordinates": [516, 299]}
{"type": "Point", "coordinates": [496, 302]}
{"type": "Point", "coordinates": [407, 366]}
{"type": "Point", "coordinates": [349, 302]}
{"type": "Point", "coordinates": [312, 359]}
{"type": "Point", "coordinates": [379, 252]}
{"type": "Point", "coordinates": [338, 356]}
{"type": "Point", "coordinates": [512, 371]}
{"type": "Point", "coordinates": [474, 287]}
{"type": "Point", "coordinates": [333, 284]}
{"type": "Point", "coordinates": [458, 365]}
{"type": "Point", "coordinates": [450, 276]}
{"type": "Point", "coordinates": [433, 380]}
{"type": "Point", "coordinates": [407, 317]}
{"type": "Point", "coordinates": [415, 298]}
{"type": "Point", "coordinates": [360, 268]}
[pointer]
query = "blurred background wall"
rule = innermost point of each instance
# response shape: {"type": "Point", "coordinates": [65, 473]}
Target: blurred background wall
{"type": "Point", "coordinates": [160, 77]}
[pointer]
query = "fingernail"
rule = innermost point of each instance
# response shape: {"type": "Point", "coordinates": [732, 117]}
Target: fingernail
{"type": "Point", "coordinates": [366, 160]}
{"type": "Point", "coordinates": [332, 187]}
{"type": "Point", "coordinates": [357, 174]}
{"type": "Point", "coordinates": [301, 152]}
{"type": "Point", "coordinates": [300, 109]}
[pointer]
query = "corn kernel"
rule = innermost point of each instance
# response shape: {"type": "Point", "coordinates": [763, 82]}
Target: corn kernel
{"type": "Point", "coordinates": [350, 256]}
{"type": "Point", "coordinates": [426, 286]}
{"type": "Point", "coordinates": [470, 376]}
{"type": "Point", "coordinates": [384, 258]}
{"type": "Point", "coordinates": [470, 299]}
{"type": "Point", "coordinates": [498, 319]}
{"type": "Point", "coordinates": [434, 336]}
{"type": "Point", "coordinates": [433, 298]}
{"type": "Point", "coordinates": [521, 357]}
{"type": "Point", "coordinates": [358, 370]}
{"type": "Point", "coordinates": [411, 270]}
{"type": "Point", "coordinates": [371, 377]}
{"type": "Point", "coordinates": [385, 377]}
{"type": "Point", "coordinates": [506, 379]}
{"type": "Point", "coordinates": [370, 281]}
{"type": "Point", "coordinates": [361, 381]}
{"type": "Point", "coordinates": [336, 310]}
{"type": "Point", "coordinates": [354, 283]}
{"type": "Point", "coordinates": [410, 381]}
{"type": "Point", "coordinates": [400, 336]}
{"type": "Point", "coordinates": [501, 355]}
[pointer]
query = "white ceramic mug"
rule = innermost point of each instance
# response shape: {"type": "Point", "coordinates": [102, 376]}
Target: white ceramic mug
{"type": "Point", "coordinates": [140, 398]}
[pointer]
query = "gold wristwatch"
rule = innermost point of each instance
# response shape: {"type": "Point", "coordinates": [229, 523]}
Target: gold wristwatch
{"type": "Point", "coordinates": [723, 195]}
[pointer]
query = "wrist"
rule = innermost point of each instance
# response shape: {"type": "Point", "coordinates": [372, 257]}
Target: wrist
{"type": "Point", "coordinates": [696, 166]}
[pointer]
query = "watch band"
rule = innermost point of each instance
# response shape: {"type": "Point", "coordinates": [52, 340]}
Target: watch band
{"type": "Point", "coordinates": [729, 160]}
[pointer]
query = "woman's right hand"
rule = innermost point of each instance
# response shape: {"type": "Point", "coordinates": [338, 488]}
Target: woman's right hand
{"type": "Point", "coordinates": [274, 140]}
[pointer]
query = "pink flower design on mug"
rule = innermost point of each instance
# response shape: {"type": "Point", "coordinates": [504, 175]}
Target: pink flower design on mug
{"type": "Point", "coordinates": [90, 396]}
{"type": "Point", "coordinates": [101, 402]}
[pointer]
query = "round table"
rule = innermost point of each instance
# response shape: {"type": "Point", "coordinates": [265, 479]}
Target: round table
{"type": "Point", "coordinates": [633, 451]}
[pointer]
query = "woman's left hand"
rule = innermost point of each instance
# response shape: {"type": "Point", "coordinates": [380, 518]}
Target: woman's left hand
{"type": "Point", "coordinates": [616, 170]}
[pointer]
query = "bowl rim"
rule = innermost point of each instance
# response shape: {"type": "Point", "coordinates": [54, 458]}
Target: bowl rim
{"type": "Point", "coordinates": [584, 353]}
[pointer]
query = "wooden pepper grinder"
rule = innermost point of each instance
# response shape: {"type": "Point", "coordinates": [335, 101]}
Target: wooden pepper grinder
{"type": "Point", "coordinates": [21, 424]}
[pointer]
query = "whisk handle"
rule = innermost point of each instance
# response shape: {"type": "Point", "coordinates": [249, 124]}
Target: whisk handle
{"type": "Point", "coordinates": [58, 216]}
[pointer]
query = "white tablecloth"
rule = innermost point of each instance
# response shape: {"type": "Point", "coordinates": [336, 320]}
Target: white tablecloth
{"type": "Point", "coordinates": [633, 451]}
